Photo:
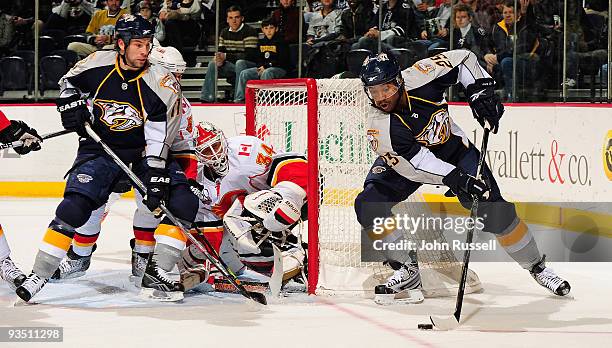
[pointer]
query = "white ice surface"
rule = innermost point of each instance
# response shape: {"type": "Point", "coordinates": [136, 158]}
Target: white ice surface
{"type": "Point", "coordinates": [102, 309]}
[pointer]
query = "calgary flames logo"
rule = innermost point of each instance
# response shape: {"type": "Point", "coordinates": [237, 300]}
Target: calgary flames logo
{"type": "Point", "coordinates": [437, 131]}
{"type": "Point", "coordinates": [120, 117]}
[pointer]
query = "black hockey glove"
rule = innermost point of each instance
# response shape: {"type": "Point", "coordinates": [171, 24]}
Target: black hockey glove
{"type": "Point", "coordinates": [157, 181]}
{"type": "Point", "coordinates": [485, 104]}
{"type": "Point", "coordinates": [460, 182]}
{"type": "Point", "coordinates": [74, 113]}
{"type": "Point", "coordinates": [19, 130]}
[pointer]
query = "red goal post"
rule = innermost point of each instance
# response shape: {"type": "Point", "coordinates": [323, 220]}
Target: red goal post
{"type": "Point", "coordinates": [310, 85]}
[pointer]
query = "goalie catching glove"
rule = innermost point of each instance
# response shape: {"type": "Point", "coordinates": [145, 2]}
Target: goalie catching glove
{"type": "Point", "coordinates": [485, 104]}
{"type": "Point", "coordinates": [278, 208]}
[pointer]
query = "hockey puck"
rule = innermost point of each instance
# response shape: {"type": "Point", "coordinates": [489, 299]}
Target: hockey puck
{"type": "Point", "coordinates": [425, 327]}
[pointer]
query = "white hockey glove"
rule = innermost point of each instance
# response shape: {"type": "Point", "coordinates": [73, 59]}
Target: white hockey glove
{"type": "Point", "coordinates": [278, 208]}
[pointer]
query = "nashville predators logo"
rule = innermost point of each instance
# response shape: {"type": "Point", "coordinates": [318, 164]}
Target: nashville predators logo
{"type": "Point", "coordinates": [437, 131]}
{"type": "Point", "coordinates": [169, 82]}
{"type": "Point", "coordinates": [118, 116]}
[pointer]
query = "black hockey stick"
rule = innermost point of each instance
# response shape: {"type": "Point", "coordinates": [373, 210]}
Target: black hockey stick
{"type": "Point", "coordinates": [44, 137]}
{"type": "Point", "coordinates": [257, 297]}
{"type": "Point", "coordinates": [451, 322]}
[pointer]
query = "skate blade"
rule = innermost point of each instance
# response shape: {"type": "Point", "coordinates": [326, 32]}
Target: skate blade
{"type": "Point", "coordinates": [70, 276]}
{"type": "Point", "coordinates": [161, 296]}
{"type": "Point", "coordinates": [444, 323]}
{"type": "Point", "coordinates": [412, 296]}
{"type": "Point", "coordinates": [21, 303]}
{"type": "Point", "coordinates": [137, 280]}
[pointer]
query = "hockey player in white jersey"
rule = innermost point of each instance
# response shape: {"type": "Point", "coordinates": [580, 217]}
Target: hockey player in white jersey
{"type": "Point", "coordinates": [261, 197]}
{"type": "Point", "coordinates": [78, 258]}
{"type": "Point", "coordinates": [418, 143]}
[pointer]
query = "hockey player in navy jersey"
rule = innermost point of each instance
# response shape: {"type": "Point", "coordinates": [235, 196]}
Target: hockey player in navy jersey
{"type": "Point", "coordinates": [418, 143]}
{"type": "Point", "coordinates": [134, 107]}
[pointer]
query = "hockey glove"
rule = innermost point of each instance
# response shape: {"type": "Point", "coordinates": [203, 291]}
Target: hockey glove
{"type": "Point", "coordinates": [74, 113]}
{"type": "Point", "coordinates": [157, 181]}
{"type": "Point", "coordinates": [485, 104]}
{"type": "Point", "coordinates": [278, 208]}
{"type": "Point", "coordinates": [198, 190]}
{"type": "Point", "coordinates": [460, 182]}
{"type": "Point", "coordinates": [19, 130]}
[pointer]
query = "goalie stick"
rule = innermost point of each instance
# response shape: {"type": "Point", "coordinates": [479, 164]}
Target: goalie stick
{"type": "Point", "coordinates": [451, 322]}
{"type": "Point", "coordinates": [257, 297]}
{"type": "Point", "coordinates": [44, 137]}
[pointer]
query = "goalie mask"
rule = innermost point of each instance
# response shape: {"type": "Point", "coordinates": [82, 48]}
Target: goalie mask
{"type": "Point", "coordinates": [211, 147]}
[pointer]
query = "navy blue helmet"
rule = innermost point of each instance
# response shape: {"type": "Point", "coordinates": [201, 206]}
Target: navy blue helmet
{"type": "Point", "coordinates": [131, 27]}
{"type": "Point", "coordinates": [378, 69]}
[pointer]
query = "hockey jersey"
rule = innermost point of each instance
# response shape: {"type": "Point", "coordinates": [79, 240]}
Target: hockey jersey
{"type": "Point", "coordinates": [132, 110]}
{"type": "Point", "coordinates": [183, 147]}
{"type": "Point", "coordinates": [255, 166]}
{"type": "Point", "coordinates": [4, 122]}
{"type": "Point", "coordinates": [421, 140]}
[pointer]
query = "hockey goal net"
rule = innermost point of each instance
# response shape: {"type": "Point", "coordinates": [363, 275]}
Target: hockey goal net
{"type": "Point", "coordinates": [326, 119]}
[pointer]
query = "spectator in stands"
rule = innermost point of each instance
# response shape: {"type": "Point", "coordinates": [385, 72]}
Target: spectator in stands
{"type": "Point", "coordinates": [501, 57]}
{"type": "Point", "coordinates": [272, 62]}
{"type": "Point", "coordinates": [70, 16]}
{"type": "Point", "coordinates": [468, 35]}
{"type": "Point", "coordinates": [314, 6]}
{"type": "Point", "coordinates": [180, 18]}
{"type": "Point", "coordinates": [421, 8]}
{"type": "Point", "coordinates": [146, 11]}
{"type": "Point", "coordinates": [17, 25]}
{"type": "Point", "coordinates": [101, 29]}
{"type": "Point", "coordinates": [485, 13]}
{"type": "Point", "coordinates": [399, 24]}
{"type": "Point", "coordinates": [287, 17]}
{"type": "Point", "coordinates": [237, 51]}
{"type": "Point", "coordinates": [355, 21]}
{"type": "Point", "coordinates": [324, 23]}
{"type": "Point", "coordinates": [436, 27]}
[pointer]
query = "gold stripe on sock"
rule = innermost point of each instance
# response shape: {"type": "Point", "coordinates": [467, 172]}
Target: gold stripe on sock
{"type": "Point", "coordinates": [57, 239]}
{"type": "Point", "coordinates": [514, 236]}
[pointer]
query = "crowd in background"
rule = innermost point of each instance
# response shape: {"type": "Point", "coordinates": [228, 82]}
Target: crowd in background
{"type": "Point", "coordinates": [520, 43]}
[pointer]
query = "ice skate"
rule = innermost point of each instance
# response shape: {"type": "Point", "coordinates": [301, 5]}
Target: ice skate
{"type": "Point", "coordinates": [11, 273]}
{"type": "Point", "coordinates": [72, 266]}
{"type": "Point", "coordinates": [404, 286]}
{"type": "Point", "coordinates": [546, 277]}
{"type": "Point", "coordinates": [157, 285]}
{"type": "Point", "coordinates": [30, 287]}
{"type": "Point", "coordinates": [139, 264]}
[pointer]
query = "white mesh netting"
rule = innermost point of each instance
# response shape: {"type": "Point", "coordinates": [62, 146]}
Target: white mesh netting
{"type": "Point", "coordinates": [345, 157]}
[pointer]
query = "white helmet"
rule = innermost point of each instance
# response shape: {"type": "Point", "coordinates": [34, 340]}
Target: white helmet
{"type": "Point", "coordinates": [211, 147]}
{"type": "Point", "coordinates": [168, 57]}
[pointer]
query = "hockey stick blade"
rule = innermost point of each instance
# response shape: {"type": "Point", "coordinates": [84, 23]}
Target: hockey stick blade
{"type": "Point", "coordinates": [276, 280]}
{"type": "Point", "coordinates": [444, 323]}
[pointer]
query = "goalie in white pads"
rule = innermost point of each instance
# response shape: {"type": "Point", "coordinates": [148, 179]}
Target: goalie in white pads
{"type": "Point", "coordinates": [261, 197]}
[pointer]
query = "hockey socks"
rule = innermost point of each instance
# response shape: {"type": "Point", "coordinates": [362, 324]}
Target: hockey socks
{"type": "Point", "coordinates": [518, 242]}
